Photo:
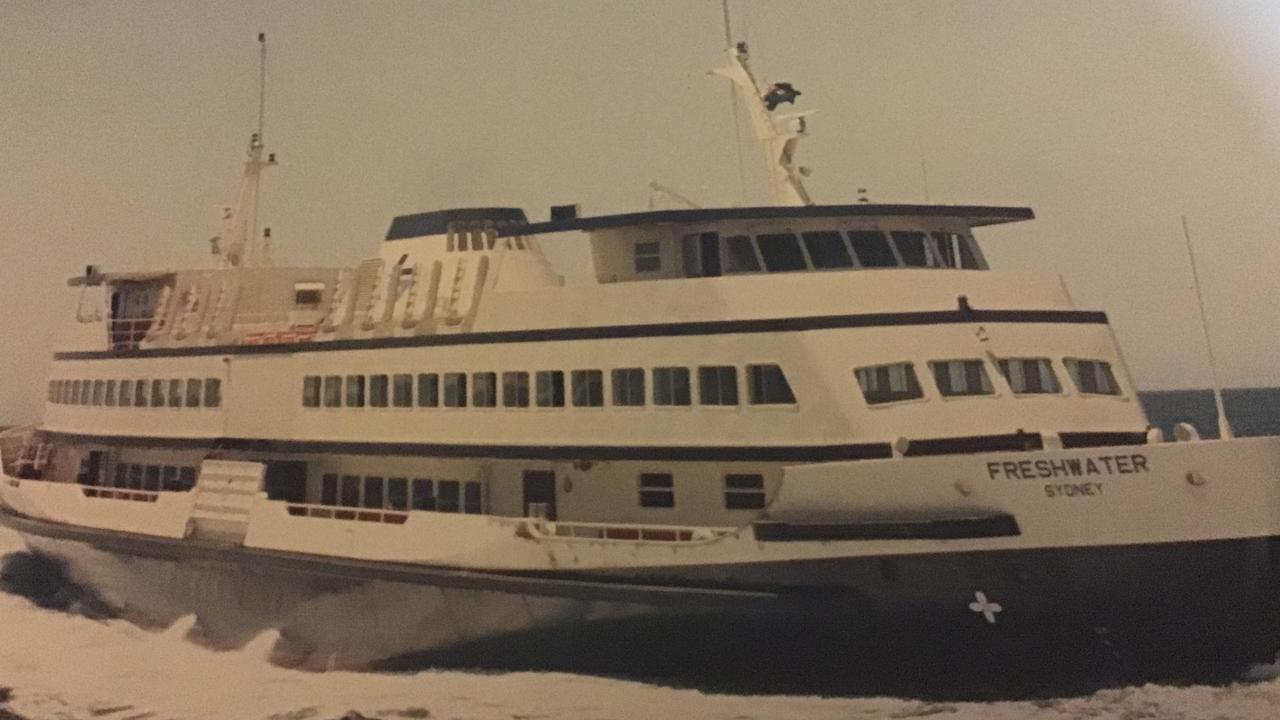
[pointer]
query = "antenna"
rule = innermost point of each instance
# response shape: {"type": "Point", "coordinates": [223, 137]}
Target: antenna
{"type": "Point", "coordinates": [240, 225]}
{"type": "Point", "coordinates": [733, 107]}
{"type": "Point", "coordinates": [1224, 426]}
{"type": "Point", "coordinates": [262, 82]}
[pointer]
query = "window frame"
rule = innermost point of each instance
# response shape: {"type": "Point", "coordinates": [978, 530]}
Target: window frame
{"type": "Point", "coordinates": [754, 371]}
{"type": "Point", "coordinates": [912, 378]}
{"type": "Point", "coordinates": [718, 374]}
{"type": "Point", "coordinates": [653, 487]}
{"type": "Point", "coordinates": [933, 366]}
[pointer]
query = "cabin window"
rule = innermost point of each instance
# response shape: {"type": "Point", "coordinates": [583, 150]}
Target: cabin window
{"type": "Point", "coordinates": [484, 389]}
{"type": "Point", "coordinates": [1030, 376]}
{"type": "Point", "coordinates": [956, 378]}
{"type": "Point", "coordinates": [307, 294]}
{"type": "Point", "coordinates": [767, 385]}
{"type": "Point", "coordinates": [311, 391]}
{"type": "Point", "coordinates": [350, 491]}
{"type": "Point", "coordinates": [657, 490]}
{"type": "Point", "coordinates": [743, 492]}
{"type": "Point", "coordinates": [121, 478]}
{"type": "Point", "coordinates": [212, 392]}
{"type": "Point", "coordinates": [372, 492]}
{"type": "Point", "coordinates": [911, 247]}
{"type": "Point", "coordinates": [175, 393]}
{"type": "Point", "coordinates": [110, 394]}
{"type": "Point", "coordinates": [169, 478]}
{"type": "Point", "coordinates": [402, 390]}
{"type": "Point", "coordinates": [872, 249]}
{"type": "Point", "coordinates": [99, 390]}
{"type": "Point", "coordinates": [472, 498]}
{"type": "Point", "coordinates": [428, 390]}
{"type": "Point", "coordinates": [152, 481]}
{"type": "Point", "coordinates": [135, 477]}
{"type": "Point", "coordinates": [515, 389]}
{"type": "Point", "coordinates": [888, 383]}
{"type": "Point", "coordinates": [781, 252]}
{"type": "Point", "coordinates": [424, 496]}
{"type": "Point", "coordinates": [379, 391]}
{"type": "Point", "coordinates": [186, 478]}
{"type": "Point", "coordinates": [333, 391]}
{"type": "Point", "coordinates": [1092, 377]}
{"type": "Point", "coordinates": [946, 246]}
{"type": "Point", "coordinates": [628, 386]}
{"type": "Point", "coordinates": [329, 489]}
{"type": "Point", "coordinates": [671, 386]}
{"type": "Point", "coordinates": [447, 496]}
{"type": "Point", "coordinates": [740, 255]}
{"type": "Point", "coordinates": [398, 493]}
{"type": "Point", "coordinates": [588, 388]}
{"type": "Point", "coordinates": [126, 393]}
{"type": "Point", "coordinates": [718, 385]}
{"type": "Point", "coordinates": [455, 390]}
{"type": "Point", "coordinates": [550, 388]}
{"type": "Point", "coordinates": [140, 394]}
{"type": "Point", "coordinates": [354, 391]}
{"type": "Point", "coordinates": [648, 257]}
{"type": "Point", "coordinates": [968, 253]}
{"type": "Point", "coordinates": [827, 250]}
{"type": "Point", "coordinates": [193, 391]}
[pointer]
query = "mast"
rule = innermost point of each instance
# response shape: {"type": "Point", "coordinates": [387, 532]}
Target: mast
{"type": "Point", "coordinates": [1224, 425]}
{"type": "Point", "coordinates": [240, 224]}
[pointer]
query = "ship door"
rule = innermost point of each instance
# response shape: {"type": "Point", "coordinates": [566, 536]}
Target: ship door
{"type": "Point", "coordinates": [701, 254]}
{"type": "Point", "coordinates": [540, 494]}
{"type": "Point", "coordinates": [286, 480]}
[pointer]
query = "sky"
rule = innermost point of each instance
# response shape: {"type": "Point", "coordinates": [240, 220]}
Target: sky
{"type": "Point", "coordinates": [123, 127]}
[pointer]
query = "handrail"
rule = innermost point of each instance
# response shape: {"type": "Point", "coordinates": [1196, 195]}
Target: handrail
{"type": "Point", "coordinates": [347, 512]}
{"type": "Point", "coordinates": [623, 531]}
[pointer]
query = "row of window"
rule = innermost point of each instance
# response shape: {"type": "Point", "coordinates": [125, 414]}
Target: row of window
{"type": "Point", "coordinates": [133, 476]}
{"type": "Point", "coordinates": [173, 392]}
{"type": "Point", "coordinates": [741, 491]}
{"type": "Point", "coordinates": [967, 377]}
{"type": "Point", "coordinates": [717, 385]}
{"type": "Point", "coordinates": [709, 254]}
{"type": "Point", "coordinates": [399, 493]}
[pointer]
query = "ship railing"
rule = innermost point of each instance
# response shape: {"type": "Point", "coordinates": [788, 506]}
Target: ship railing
{"type": "Point", "coordinates": [273, 328]}
{"type": "Point", "coordinates": [128, 333]}
{"type": "Point", "coordinates": [631, 533]}
{"type": "Point", "coordinates": [120, 494]}
{"type": "Point", "coordinates": [345, 512]}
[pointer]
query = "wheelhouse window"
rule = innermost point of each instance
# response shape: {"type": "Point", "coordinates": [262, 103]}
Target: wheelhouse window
{"type": "Point", "coordinates": [550, 388]}
{"type": "Point", "coordinates": [882, 384]}
{"type": "Point", "coordinates": [911, 247]}
{"type": "Point", "coordinates": [515, 389]}
{"type": "Point", "coordinates": [332, 391]}
{"type": "Point", "coordinates": [671, 386]}
{"type": "Point", "coordinates": [455, 390]}
{"type": "Point", "coordinates": [379, 387]}
{"type": "Point", "coordinates": [1030, 376]}
{"type": "Point", "coordinates": [740, 255]}
{"type": "Point", "coordinates": [767, 385]}
{"type": "Point", "coordinates": [648, 257]}
{"type": "Point", "coordinates": [402, 390]}
{"type": "Point", "coordinates": [628, 386]}
{"type": "Point", "coordinates": [956, 378]}
{"type": "Point", "coordinates": [428, 390]}
{"type": "Point", "coordinates": [872, 249]}
{"type": "Point", "coordinates": [355, 391]}
{"type": "Point", "coordinates": [588, 388]}
{"type": "Point", "coordinates": [781, 252]}
{"type": "Point", "coordinates": [953, 250]}
{"type": "Point", "coordinates": [657, 490]}
{"type": "Point", "coordinates": [1092, 377]}
{"type": "Point", "coordinates": [743, 492]}
{"type": "Point", "coordinates": [718, 385]}
{"type": "Point", "coordinates": [484, 389]}
{"type": "Point", "coordinates": [827, 250]}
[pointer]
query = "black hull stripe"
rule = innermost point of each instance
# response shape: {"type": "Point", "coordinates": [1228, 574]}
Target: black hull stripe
{"type": "Point", "coordinates": [615, 332]}
{"type": "Point", "coordinates": [674, 453]}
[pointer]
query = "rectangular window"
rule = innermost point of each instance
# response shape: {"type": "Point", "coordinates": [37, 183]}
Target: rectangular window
{"type": "Point", "coordinates": [350, 491]}
{"type": "Point", "coordinates": [1030, 376]}
{"type": "Point", "coordinates": [743, 492]}
{"type": "Point", "coordinates": [402, 390]}
{"type": "Point", "coordinates": [910, 244]}
{"type": "Point", "coordinates": [126, 393]}
{"type": "Point", "coordinates": [372, 492]}
{"type": "Point", "coordinates": [872, 249]}
{"type": "Point", "coordinates": [354, 385]}
{"type": "Point", "coordinates": [307, 294]}
{"type": "Point", "coordinates": [484, 389]}
{"type": "Point", "coordinates": [718, 385]}
{"type": "Point", "coordinates": [515, 389]}
{"type": "Point", "coordinates": [121, 475]}
{"type": "Point", "coordinates": [767, 385]}
{"type": "Point", "coordinates": [968, 253]}
{"type": "Point", "coordinates": [1092, 377]}
{"type": "Point", "coordinates": [550, 388]}
{"type": "Point", "coordinates": [329, 489]}
{"type": "Point", "coordinates": [781, 252]}
{"type": "Point", "coordinates": [671, 386]}
{"type": "Point", "coordinates": [428, 390]}
{"type": "Point", "coordinates": [135, 477]}
{"type": "Point", "coordinates": [888, 383]}
{"type": "Point", "coordinates": [398, 493]}
{"type": "Point", "coordinates": [943, 245]}
{"type": "Point", "coordinates": [140, 393]}
{"type": "Point", "coordinates": [628, 386]}
{"type": "Point", "coordinates": [175, 393]}
{"type": "Point", "coordinates": [311, 391]}
{"type": "Point", "coordinates": [588, 388]}
{"type": "Point", "coordinates": [332, 391]}
{"type": "Point", "coordinates": [648, 257]}
{"type": "Point", "coordinates": [447, 496]}
{"type": "Point", "coordinates": [169, 478]}
{"type": "Point", "coordinates": [455, 390]}
{"type": "Point", "coordinates": [194, 385]}
{"type": "Point", "coordinates": [99, 390]}
{"type": "Point", "coordinates": [472, 498]}
{"type": "Point", "coordinates": [424, 496]}
{"type": "Point", "coordinates": [152, 481]}
{"type": "Point", "coordinates": [379, 391]}
{"type": "Point", "coordinates": [212, 392]}
{"type": "Point", "coordinates": [961, 377]}
{"type": "Point", "coordinates": [740, 255]}
{"type": "Point", "coordinates": [186, 478]}
{"type": "Point", "coordinates": [827, 250]}
{"type": "Point", "coordinates": [657, 490]}
{"type": "Point", "coordinates": [110, 399]}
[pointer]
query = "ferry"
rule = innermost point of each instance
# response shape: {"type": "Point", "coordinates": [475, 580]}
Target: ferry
{"type": "Point", "coordinates": [793, 415]}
